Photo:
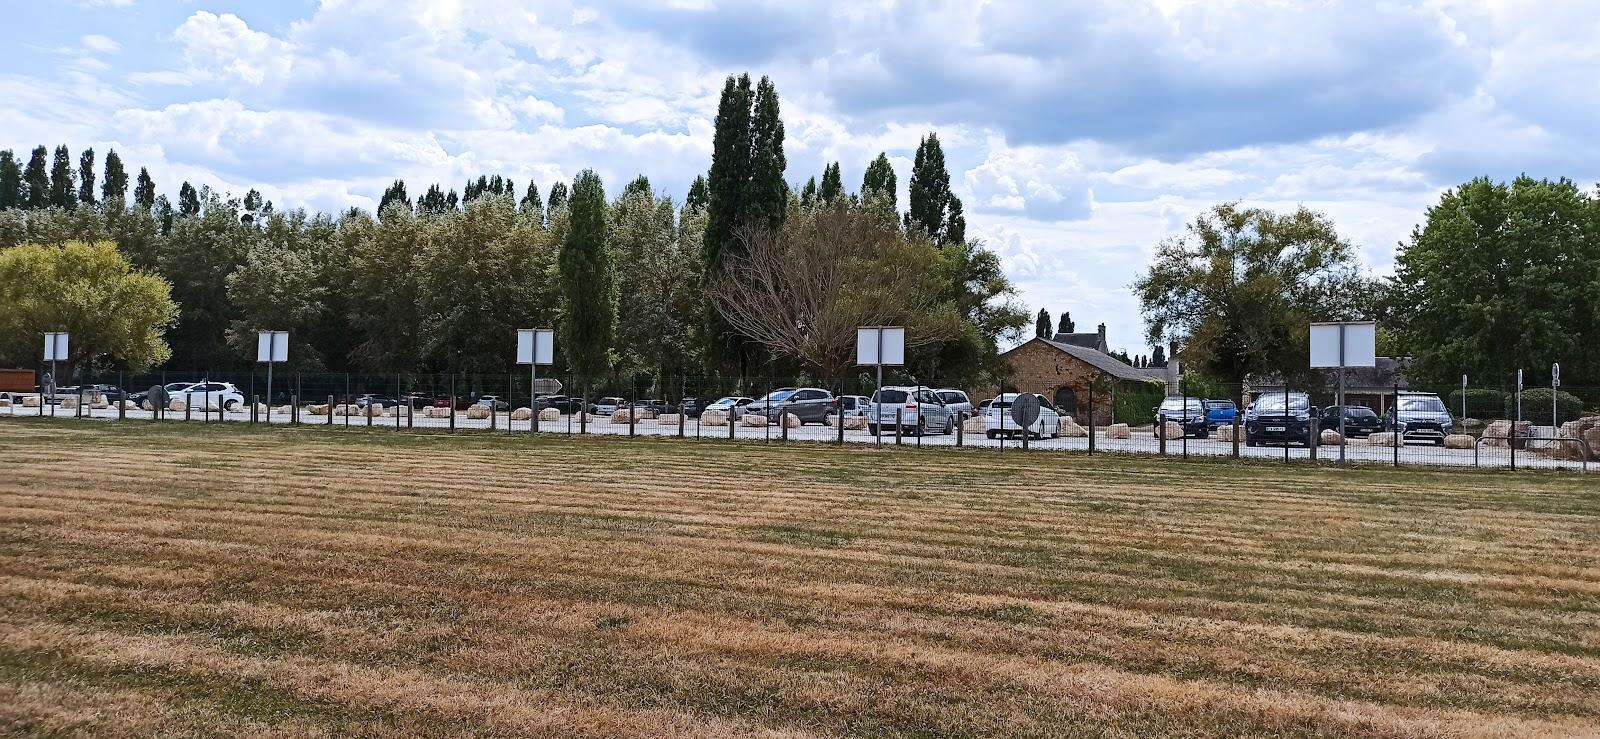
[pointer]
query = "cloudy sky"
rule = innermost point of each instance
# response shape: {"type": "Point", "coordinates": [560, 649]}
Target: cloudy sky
{"type": "Point", "coordinates": [1079, 134]}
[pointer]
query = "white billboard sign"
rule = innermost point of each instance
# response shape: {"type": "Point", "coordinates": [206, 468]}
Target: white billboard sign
{"type": "Point", "coordinates": [536, 346]}
{"type": "Point", "coordinates": [55, 347]}
{"type": "Point", "coordinates": [1359, 344]}
{"type": "Point", "coordinates": [272, 346]}
{"type": "Point", "coordinates": [881, 346]}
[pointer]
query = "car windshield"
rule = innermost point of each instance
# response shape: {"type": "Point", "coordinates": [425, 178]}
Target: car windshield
{"type": "Point", "coordinates": [889, 396]}
{"type": "Point", "coordinates": [1360, 411]}
{"type": "Point", "coordinates": [1269, 403]}
{"type": "Point", "coordinates": [724, 401]}
{"type": "Point", "coordinates": [1421, 404]}
{"type": "Point", "coordinates": [610, 401]}
{"type": "Point", "coordinates": [776, 396]}
{"type": "Point", "coordinates": [1221, 405]}
{"type": "Point", "coordinates": [1175, 404]}
{"type": "Point", "coordinates": [950, 396]}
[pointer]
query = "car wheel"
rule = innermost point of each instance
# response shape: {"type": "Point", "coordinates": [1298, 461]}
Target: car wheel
{"type": "Point", "coordinates": [231, 405]}
{"type": "Point", "coordinates": [827, 418]}
{"type": "Point", "coordinates": [992, 434]}
{"type": "Point", "coordinates": [922, 427]}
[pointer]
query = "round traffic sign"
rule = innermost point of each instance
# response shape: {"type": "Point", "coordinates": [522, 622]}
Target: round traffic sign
{"type": "Point", "coordinates": [157, 397]}
{"type": "Point", "coordinates": [1025, 410]}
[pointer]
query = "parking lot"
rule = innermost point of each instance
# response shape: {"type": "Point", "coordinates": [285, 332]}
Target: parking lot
{"type": "Point", "coordinates": [1141, 441]}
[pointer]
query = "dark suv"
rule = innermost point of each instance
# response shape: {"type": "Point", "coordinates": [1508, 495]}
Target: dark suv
{"type": "Point", "coordinates": [1281, 418]}
{"type": "Point", "coordinates": [1359, 420]}
{"type": "Point", "coordinates": [1189, 413]}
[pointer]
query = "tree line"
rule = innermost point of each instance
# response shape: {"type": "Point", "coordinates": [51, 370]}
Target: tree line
{"type": "Point", "coordinates": [636, 283]}
{"type": "Point", "coordinates": [1498, 277]}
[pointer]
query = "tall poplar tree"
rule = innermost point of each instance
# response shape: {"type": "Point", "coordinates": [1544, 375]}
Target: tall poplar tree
{"type": "Point", "coordinates": [10, 181]}
{"type": "Point", "coordinates": [396, 193]}
{"type": "Point", "coordinates": [558, 198]}
{"type": "Point", "coordinates": [1041, 326]}
{"type": "Point", "coordinates": [832, 184]}
{"type": "Point", "coordinates": [63, 190]}
{"type": "Point", "coordinates": [768, 198]}
{"type": "Point", "coordinates": [86, 177]}
{"type": "Point", "coordinates": [145, 192]}
{"type": "Point", "coordinates": [729, 178]}
{"type": "Point", "coordinates": [879, 180]}
{"type": "Point", "coordinates": [531, 204]}
{"type": "Point", "coordinates": [36, 178]}
{"type": "Point", "coordinates": [588, 280]}
{"type": "Point", "coordinates": [928, 211]}
{"type": "Point", "coordinates": [114, 191]}
{"type": "Point", "coordinates": [188, 200]}
{"type": "Point", "coordinates": [699, 197]}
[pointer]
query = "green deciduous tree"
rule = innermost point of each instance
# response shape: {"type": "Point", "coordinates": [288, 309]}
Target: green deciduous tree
{"type": "Point", "coordinates": [1241, 287]}
{"type": "Point", "coordinates": [558, 199]}
{"type": "Point", "coordinates": [115, 314]}
{"type": "Point", "coordinates": [188, 200]}
{"type": "Point", "coordinates": [277, 288]}
{"type": "Point", "coordinates": [588, 281]}
{"type": "Point", "coordinates": [879, 182]}
{"type": "Point", "coordinates": [63, 186]}
{"type": "Point", "coordinates": [768, 195]}
{"type": "Point", "coordinates": [1499, 278]}
{"type": "Point", "coordinates": [36, 178]}
{"type": "Point", "coordinates": [196, 255]}
{"type": "Point", "coordinates": [731, 165]}
{"type": "Point", "coordinates": [114, 191]}
{"type": "Point", "coordinates": [531, 205]}
{"type": "Point", "coordinates": [929, 209]}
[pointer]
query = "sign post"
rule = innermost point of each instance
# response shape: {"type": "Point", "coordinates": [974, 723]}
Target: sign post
{"type": "Point", "coordinates": [535, 346]}
{"type": "Point", "coordinates": [1344, 344]}
{"type": "Point", "coordinates": [1555, 390]}
{"type": "Point", "coordinates": [877, 346]}
{"type": "Point", "coordinates": [55, 349]}
{"type": "Point", "coordinates": [272, 347]}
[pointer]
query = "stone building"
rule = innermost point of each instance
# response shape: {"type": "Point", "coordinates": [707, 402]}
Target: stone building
{"type": "Point", "coordinates": [1062, 367]}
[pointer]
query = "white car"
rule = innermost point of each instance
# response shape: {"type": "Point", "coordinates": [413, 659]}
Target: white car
{"type": "Point", "coordinates": [732, 405]}
{"type": "Point", "coordinates": [955, 400]}
{"type": "Point", "coordinates": [997, 421]}
{"type": "Point", "coordinates": [202, 395]}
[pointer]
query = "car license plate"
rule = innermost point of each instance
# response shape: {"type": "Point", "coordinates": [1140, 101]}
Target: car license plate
{"type": "Point", "coordinates": [1276, 428]}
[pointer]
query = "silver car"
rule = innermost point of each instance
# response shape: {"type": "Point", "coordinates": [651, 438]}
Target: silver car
{"type": "Point", "coordinates": [956, 401]}
{"type": "Point", "coordinates": [918, 410]}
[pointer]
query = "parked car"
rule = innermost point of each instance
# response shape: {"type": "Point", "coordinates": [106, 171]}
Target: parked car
{"type": "Point", "coordinates": [690, 407]}
{"type": "Point", "coordinates": [111, 393]}
{"type": "Point", "coordinates": [917, 409]}
{"type": "Point", "coordinates": [809, 404]}
{"type": "Point", "coordinates": [733, 405]}
{"type": "Point", "coordinates": [200, 395]}
{"type": "Point", "coordinates": [1421, 417]}
{"type": "Point", "coordinates": [655, 406]}
{"type": "Point", "coordinates": [387, 401]}
{"type": "Point", "coordinates": [564, 404]}
{"type": "Point", "coordinates": [493, 403]}
{"type": "Point", "coordinates": [1359, 420]}
{"type": "Point", "coordinates": [1220, 413]}
{"type": "Point", "coordinates": [847, 406]}
{"type": "Point", "coordinates": [1190, 413]}
{"type": "Point", "coordinates": [997, 420]}
{"type": "Point", "coordinates": [172, 387]}
{"type": "Point", "coordinates": [1279, 417]}
{"type": "Point", "coordinates": [956, 401]}
{"type": "Point", "coordinates": [608, 405]}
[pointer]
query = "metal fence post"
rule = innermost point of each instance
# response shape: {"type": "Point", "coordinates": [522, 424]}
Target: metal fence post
{"type": "Point", "coordinates": [1399, 436]}
{"type": "Point", "coordinates": [255, 402]}
{"type": "Point", "coordinates": [452, 407]}
{"type": "Point", "coordinates": [1312, 439]}
{"type": "Point", "coordinates": [1091, 413]}
{"type": "Point", "coordinates": [330, 410]}
{"type": "Point", "coordinates": [961, 426]}
{"type": "Point", "coordinates": [294, 409]}
{"type": "Point", "coordinates": [899, 421]}
{"type": "Point", "coordinates": [1236, 415]}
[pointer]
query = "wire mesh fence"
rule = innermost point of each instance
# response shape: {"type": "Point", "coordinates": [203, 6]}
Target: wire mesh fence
{"type": "Point", "coordinates": [1486, 427]}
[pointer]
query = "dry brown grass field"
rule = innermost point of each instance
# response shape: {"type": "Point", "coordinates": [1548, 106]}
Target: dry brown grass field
{"type": "Point", "coordinates": [303, 582]}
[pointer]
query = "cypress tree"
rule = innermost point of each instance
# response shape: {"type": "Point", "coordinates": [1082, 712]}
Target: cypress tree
{"type": "Point", "coordinates": [10, 181]}
{"type": "Point", "coordinates": [86, 177]}
{"type": "Point", "coordinates": [114, 192]}
{"type": "Point", "coordinates": [588, 280]}
{"type": "Point", "coordinates": [699, 196]}
{"type": "Point", "coordinates": [1158, 357]}
{"type": "Point", "coordinates": [188, 200]}
{"type": "Point", "coordinates": [452, 201]}
{"type": "Point", "coordinates": [929, 191]}
{"type": "Point", "coordinates": [639, 184]}
{"type": "Point", "coordinates": [1067, 326]}
{"type": "Point", "coordinates": [808, 194]}
{"type": "Point", "coordinates": [768, 199]}
{"type": "Point", "coordinates": [955, 226]}
{"type": "Point", "coordinates": [880, 180]}
{"type": "Point", "coordinates": [729, 179]}
{"type": "Point", "coordinates": [531, 203]}
{"type": "Point", "coordinates": [1041, 326]}
{"type": "Point", "coordinates": [558, 198]}
{"type": "Point", "coordinates": [63, 191]}
{"type": "Point", "coordinates": [145, 192]}
{"type": "Point", "coordinates": [832, 185]}
{"type": "Point", "coordinates": [36, 179]}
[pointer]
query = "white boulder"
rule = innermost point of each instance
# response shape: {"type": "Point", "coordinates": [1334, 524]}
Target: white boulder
{"type": "Point", "coordinates": [1459, 441]}
{"type": "Point", "coordinates": [1171, 430]}
{"type": "Point", "coordinates": [753, 419]}
{"type": "Point", "coordinates": [522, 414]}
{"type": "Point", "coordinates": [1330, 437]}
{"type": "Point", "coordinates": [714, 418]}
{"type": "Point", "coordinates": [477, 412]}
{"type": "Point", "coordinates": [1384, 438]}
{"type": "Point", "coordinates": [550, 414]}
{"type": "Point", "coordinates": [1119, 431]}
{"type": "Point", "coordinates": [668, 419]}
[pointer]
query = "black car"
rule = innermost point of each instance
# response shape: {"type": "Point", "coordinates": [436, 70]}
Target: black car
{"type": "Point", "coordinates": [386, 401]}
{"type": "Point", "coordinates": [562, 403]}
{"type": "Point", "coordinates": [1276, 417]}
{"type": "Point", "coordinates": [1189, 413]}
{"type": "Point", "coordinates": [1359, 420]}
{"type": "Point", "coordinates": [691, 407]}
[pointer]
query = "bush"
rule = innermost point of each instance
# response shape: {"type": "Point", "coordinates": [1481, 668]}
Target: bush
{"type": "Point", "coordinates": [1482, 403]}
{"type": "Point", "coordinates": [1536, 406]}
{"type": "Point", "coordinates": [1136, 402]}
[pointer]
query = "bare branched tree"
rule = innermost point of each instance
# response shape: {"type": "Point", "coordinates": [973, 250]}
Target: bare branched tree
{"type": "Point", "coordinates": [804, 288]}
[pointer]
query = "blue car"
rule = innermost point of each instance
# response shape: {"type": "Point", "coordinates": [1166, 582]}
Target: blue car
{"type": "Point", "coordinates": [1220, 413]}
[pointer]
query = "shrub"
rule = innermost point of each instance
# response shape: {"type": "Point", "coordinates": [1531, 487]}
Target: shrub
{"type": "Point", "coordinates": [1136, 402]}
{"type": "Point", "coordinates": [1481, 402]}
{"type": "Point", "coordinates": [1536, 406]}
